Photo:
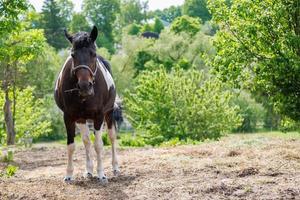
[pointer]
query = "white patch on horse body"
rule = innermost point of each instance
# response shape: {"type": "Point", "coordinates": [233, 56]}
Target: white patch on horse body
{"type": "Point", "coordinates": [107, 76]}
{"type": "Point", "coordinates": [70, 167]}
{"type": "Point", "coordinates": [60, 73]}
{"type": "Point", "coordinates": [85, 135]}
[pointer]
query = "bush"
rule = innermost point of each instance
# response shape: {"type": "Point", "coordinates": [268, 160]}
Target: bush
{"type": "Point", "coordinates": [287, 125]}
{"type": "Point", "coordinates": [252, 113]}
{"type": "Point", "coordinates": [131, 141]}
{"type": "Point", "coordinates": [133, 29]}
{"type": "Point", "coordinates": [186, 24]}
{"type": "Point", "coordinates": [180, 104]}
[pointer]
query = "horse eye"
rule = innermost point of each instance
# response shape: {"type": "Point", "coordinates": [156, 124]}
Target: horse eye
{"type": "Point", "coordinates": [93, 54]}
{"type": "Point", "coordinates": [72, 54]}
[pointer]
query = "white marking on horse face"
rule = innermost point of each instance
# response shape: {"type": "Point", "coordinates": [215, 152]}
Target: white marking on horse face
{"type": "Point", "coordinates": [107, 76]}
{"type": "Point", "coordinates": [60, 73]}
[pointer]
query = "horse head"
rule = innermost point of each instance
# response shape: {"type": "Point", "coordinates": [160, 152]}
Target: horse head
{"type": "Point", "coordinates": [84, 57]}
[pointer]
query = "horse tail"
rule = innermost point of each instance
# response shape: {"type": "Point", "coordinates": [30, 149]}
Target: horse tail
{"type": "Point", "coordinates": [118, 112]}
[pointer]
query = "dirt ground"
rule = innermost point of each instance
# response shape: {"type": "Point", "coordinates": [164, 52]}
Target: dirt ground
{"type": "Point", "coordinates": [237, 167]}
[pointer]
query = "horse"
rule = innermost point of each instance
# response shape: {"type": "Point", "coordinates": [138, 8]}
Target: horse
{"type": "Point", "coordinates": [85, 91]}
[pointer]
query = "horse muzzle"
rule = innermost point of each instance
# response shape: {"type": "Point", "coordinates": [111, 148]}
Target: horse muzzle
{"type": "Point", "coordinates": [86, 88]}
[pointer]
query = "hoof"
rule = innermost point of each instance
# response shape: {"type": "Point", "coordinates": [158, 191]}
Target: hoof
{"type": "Point", "coordinates": [68, 179]}
{"type": "Point", "coordinates": [103, 180]}
{"type": "Point", "coordinates": [116, 172]}
{"type": "Point", "coordinates": [88, 175]}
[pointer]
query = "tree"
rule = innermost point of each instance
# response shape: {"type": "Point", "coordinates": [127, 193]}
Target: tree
{"type": "Point", "coordinates": [196, 8]}
{"type": "Point", "coordinates": [66, 9]}
{"type": "Point", "coordinates": [102, 13]}
{"type": "Point", "coordinates": [20, 48]}
{"type": "Point", "coordinates": [158, 26]}
{"type": "Point", "coordinates": [79, 23]}
{"type": "Point", "coordinates": [31, 119]}
{"type": "Point", "coordinates": [167, 14]}
{"type": "Point", "coordinates": [258, 47]}
{"type": "Point", "coordinates": [53, 22]}
{"type": "Point", "coordinates": [132, 12]}
{"type": "Point", "coordinates": [133, 29]}
{"type": "Point", "coordinates": [186, 24]}
{"type": "Point", "coordinates": [10, 12]}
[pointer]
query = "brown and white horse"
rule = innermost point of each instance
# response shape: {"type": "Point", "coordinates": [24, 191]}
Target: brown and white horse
{"type": "Point", "coordinates": [85, 91]}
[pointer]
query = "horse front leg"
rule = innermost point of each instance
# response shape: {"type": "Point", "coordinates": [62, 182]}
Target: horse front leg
{"type": "Point", "coordinates": [70, 126]}
{"type": "Point", "coordinates": [98, 145]}
{"type": "Point", "coordinates": [85, 135]}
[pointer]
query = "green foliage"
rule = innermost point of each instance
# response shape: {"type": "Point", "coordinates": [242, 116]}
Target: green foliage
{"type": "Point", "coordinates": [180, 104]}
{"type": "Point", "coordinates": [132, 11]}
{"type": "Point", "coordinates": [288, 125]}
{"type": "Point", "coordinates": [22, 47]}
{"type": "Point", "coordinates": [172, 49]}
{"type": "Point", "coordinates": [102, 13]}
{"type": "Point", "coordinates": [57, 127]}
{"type": "Point", "coordinates": [252, 113]}
{"type": "Point", "coordinates": [53, 21]}
{"type": "Point", "coordinates": [79, 23]}
{"type": "Point", "coordinates": [147, 28]}
{"type": "Point", "coordinates": [131, 141]}
{"type": "Point", "coordinates": [105, 139]}
{"type": "Point", "coordinates": [41, 72]}
{"type": "Point", "coordinates": [196, 8]}
{"type": "Point", "coordinates": [167, 14]}
{"type": "Point", "coordinates": [133, 29]}
{"type": "Point", "coordinates": [31, 114]}
{"type": "Point", "coordinates": [158, 26]}
{"type": "Point", "coordinates": [186, 24]}
{"type": "Point", "coordinates": [66, 9]}
{"type": "Point", "coordinates": [258, 46]}
{"type": "Point", "coordinates": [11, 170]}
{"type": "Point", "coordinates": [10, 13]}
{"type": "Point", "coordinates": [123, 62]}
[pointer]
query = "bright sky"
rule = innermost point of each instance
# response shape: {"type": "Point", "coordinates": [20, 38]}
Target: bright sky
{"type": "Point", "coordinates": [153, 4]}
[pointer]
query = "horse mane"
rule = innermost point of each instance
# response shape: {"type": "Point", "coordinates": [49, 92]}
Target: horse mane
{"type": "Point", "coordinates": [81, 40]}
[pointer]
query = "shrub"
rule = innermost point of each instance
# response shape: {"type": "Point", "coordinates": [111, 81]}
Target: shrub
{"type": "Point", "coordinates": [11, 170]}
{"type": "Point", "coordinates": [287, 124]}
{"type": "Point", "coordinates": [180, 104]}
{"type": "Point", "coordinates": [186, 24]}
{"type": "Point", "coordinates": [131, 141]}
{"type": "Point", "coordinates": [252, 113]}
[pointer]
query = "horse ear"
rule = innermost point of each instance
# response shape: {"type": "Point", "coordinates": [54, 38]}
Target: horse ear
{"type": "Point", "coordinates": [94, 33]}
{"type": "Point", "coordinates": [68, 36]}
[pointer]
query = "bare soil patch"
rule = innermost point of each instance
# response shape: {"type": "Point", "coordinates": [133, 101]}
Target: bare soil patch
{"type": "Point", "coordinates": [237, 167]}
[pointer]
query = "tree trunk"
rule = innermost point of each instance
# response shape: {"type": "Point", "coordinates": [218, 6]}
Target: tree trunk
{"type": "Point", "coordinates": [8, 118]}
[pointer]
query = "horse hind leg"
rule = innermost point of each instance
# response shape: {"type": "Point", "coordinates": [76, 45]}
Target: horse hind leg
{"type": "Point", "coordinates": [98, 144]}
{"type": "Point", "coordinates": [85, 136]}
{"type": "Point", "coordinates": [113, 138]}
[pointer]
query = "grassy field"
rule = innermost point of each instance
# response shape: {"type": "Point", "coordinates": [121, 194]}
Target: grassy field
{"type": "Point", "coordinates": [239, 166]}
